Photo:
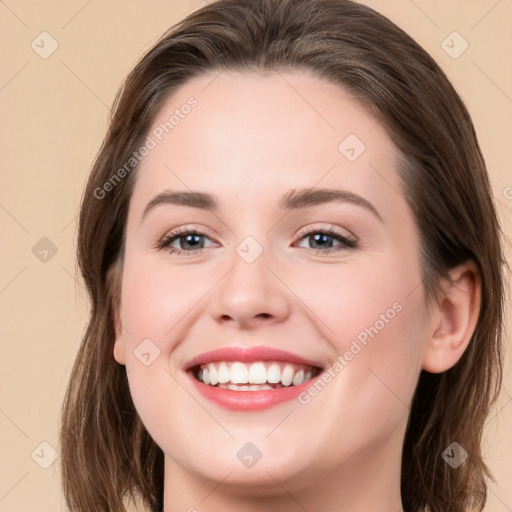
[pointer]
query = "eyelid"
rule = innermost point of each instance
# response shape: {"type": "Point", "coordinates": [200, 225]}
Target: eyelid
{"type": "Point", "coordinates": [327, 227]}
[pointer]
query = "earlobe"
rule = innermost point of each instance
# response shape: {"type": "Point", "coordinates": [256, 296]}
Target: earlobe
{"type": "Point", "coordinates": [453, 319]}
{"type": "Point", "coordinates": [119, 352]}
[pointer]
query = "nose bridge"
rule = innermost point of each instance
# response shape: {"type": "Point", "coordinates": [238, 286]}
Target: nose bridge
{"type": "Point", "coordinates": [250, 292]}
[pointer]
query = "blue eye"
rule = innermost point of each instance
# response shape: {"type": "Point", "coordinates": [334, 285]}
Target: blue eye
{"type": "Point", "coordinates": [191, 241]}
{"type": "Point", "coordinates": [323, 238]}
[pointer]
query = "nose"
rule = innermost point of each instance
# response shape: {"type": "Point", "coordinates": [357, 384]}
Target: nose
{"type": "Point", "coordinates": [250, 295]}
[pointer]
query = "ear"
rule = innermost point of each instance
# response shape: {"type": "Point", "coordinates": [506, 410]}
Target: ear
{"type": "Point", "coordinates": [119, 345]}
{"type": "Point", "coordinates": [453, 319]}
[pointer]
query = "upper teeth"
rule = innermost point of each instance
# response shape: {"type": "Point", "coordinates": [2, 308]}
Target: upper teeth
{"type": "Point", "coordinates": [254, 373]}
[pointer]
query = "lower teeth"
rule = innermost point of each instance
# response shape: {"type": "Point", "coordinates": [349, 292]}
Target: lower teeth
{"type": "Point", "coordinates": [248, 387]}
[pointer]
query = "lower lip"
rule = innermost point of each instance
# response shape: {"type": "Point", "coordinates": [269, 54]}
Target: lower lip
{"type": "Point", "coordinates": [249, 400]}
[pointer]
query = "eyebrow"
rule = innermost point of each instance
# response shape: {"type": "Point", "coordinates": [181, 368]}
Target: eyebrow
{"type": "Point", "coordinates": [292, 200]}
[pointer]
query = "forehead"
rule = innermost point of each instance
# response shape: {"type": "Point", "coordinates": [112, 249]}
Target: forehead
{"type": "Point", "coordinates": [253, 134]}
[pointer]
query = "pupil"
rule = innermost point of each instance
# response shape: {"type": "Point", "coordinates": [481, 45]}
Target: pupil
{"type": "Point", "coordinates": [321, 237]}
{"type": "Point", "coordinates": [191, 239]}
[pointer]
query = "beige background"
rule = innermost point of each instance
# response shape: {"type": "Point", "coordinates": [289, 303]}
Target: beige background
{"type": "Point", "coordinates": [54, 115]}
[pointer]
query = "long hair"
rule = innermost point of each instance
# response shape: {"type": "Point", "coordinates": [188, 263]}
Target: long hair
{"type": "Point", "coordinates": [106, 453]}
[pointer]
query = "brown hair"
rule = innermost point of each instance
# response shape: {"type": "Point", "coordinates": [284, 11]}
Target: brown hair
{"type": "Point", "coordinates": [107, 455]}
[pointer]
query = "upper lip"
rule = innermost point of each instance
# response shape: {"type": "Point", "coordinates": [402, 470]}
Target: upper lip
{"type": "Point", "coordinates": [260, 353]}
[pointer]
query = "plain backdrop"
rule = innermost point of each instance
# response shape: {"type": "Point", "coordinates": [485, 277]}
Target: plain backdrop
{"type": "Point", "coordinates": [54, 111]}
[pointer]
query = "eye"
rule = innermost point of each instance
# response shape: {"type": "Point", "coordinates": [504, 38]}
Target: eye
{"type": "Point", "coordinates": [322, 241]}
{"type": "Point", "coordinates": [188, 241]}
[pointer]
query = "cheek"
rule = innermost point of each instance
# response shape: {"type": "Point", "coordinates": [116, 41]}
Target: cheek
{"type": "Point", "coordinates": [379, 343]}
{"type": "Point", "coordinates": [156, 314]}
{"type": "Point", "coordinates": [383, 349]}
{"type": "Point", "coordinates": [156, 300]}
{"type": "Point", "coordinates": [360, 295]}
{"type": "Point", "coordinates": [377, 321]}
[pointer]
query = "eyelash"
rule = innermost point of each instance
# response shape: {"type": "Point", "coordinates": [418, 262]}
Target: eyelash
{"type": "Point", "coordinates": [347, 243]}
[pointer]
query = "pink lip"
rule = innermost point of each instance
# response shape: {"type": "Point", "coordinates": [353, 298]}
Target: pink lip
{"type": "Point", "coordinates": [248, 354]}
{"type": "Point", "coordinates": [248, 400]}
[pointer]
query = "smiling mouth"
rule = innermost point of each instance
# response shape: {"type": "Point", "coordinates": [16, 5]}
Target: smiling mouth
{"type": "Point", "coordinates": [254, 376]}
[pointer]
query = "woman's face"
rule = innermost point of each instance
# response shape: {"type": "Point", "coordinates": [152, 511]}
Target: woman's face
{"type": "Point", "coordinates": [261, 273]}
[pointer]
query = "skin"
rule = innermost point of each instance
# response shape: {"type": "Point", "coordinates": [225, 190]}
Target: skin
{"type": "Point", "coordinates": [250, 140]}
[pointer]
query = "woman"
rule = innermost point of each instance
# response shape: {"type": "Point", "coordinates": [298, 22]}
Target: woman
{"type": "Point", "coordinates": [295, 269]}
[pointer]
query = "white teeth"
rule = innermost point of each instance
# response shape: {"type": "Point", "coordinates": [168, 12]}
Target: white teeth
{"type": "Point", "coordinates": [274, 374]}
{"type": "Point", "coordinates": [257, 373]}
{"type": "Point", "coordinates": [287, 375]}
{"type": "Point", "coordinates": [241, 387]}
{"type": "Point", "coordinates": [298, 378]}
{"type": "Point", "coordinates": [239, 374]}
{"type": "Point", "coordinates": [223, 374]}
{"type": "Point", "coordinates": [253, 376]}
{"type": "Point", "coordinates": [212, 372]}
